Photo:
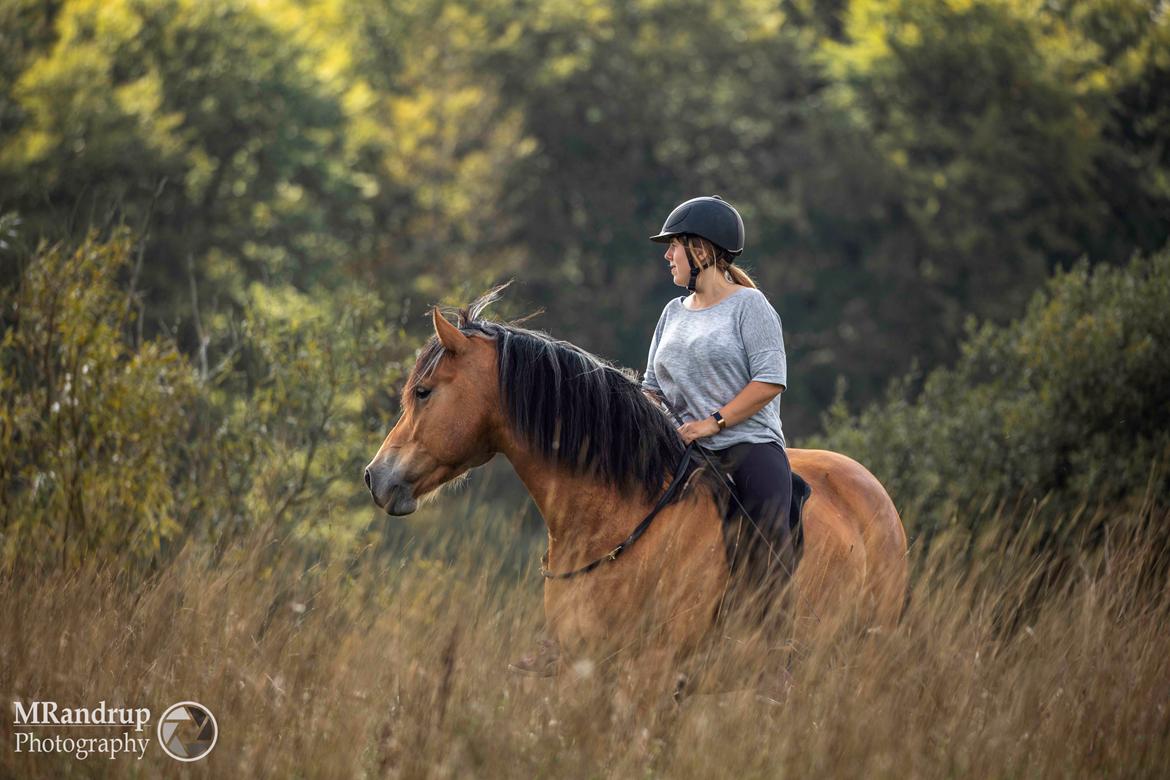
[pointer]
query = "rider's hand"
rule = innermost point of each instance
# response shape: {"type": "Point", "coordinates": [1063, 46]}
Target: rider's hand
{"type": "Point", "coordinates": [699, 429]}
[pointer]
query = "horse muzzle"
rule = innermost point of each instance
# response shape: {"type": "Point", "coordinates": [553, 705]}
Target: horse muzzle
{"type": "Point", "coordinates": [391, 491]}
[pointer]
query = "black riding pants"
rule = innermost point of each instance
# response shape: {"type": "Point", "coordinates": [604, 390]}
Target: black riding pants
{"type": "Point", "coordinates": [760, 549]}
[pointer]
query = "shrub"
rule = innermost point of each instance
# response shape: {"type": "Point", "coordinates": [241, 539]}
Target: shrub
{"type": "Point", "coordinates": [114, 444]}
{"type": "Point", "coordinates": [1068, 407]}
{"type": "Point", "coordinates": [87, 419]}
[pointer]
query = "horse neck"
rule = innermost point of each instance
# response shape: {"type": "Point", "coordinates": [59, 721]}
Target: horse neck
{"type": "Point", "coordinates": [585, 517]}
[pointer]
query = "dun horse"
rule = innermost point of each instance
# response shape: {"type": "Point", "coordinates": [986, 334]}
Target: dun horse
{"type": "Point", "coordinates": [596, 455]}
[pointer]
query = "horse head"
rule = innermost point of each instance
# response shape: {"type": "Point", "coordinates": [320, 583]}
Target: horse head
{"type": "Point", "coordinates": [450, 413]}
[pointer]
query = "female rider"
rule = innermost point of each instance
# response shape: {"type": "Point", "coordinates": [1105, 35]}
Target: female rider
{"type": "Point", "coordinates": [717, 359]}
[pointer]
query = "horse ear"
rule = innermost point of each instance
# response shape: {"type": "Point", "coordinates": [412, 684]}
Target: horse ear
{"type": "Point", "coordinates": [449, 336]}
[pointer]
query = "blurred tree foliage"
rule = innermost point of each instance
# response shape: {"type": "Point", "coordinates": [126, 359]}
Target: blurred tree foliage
{"type": "Point", "coordinates": [296, 169]}
{"type": "Point", "coordinates": [111, 443]}
{"type": "Point", "coordinates": [1068, 406]}
{"type": "Point", "coordinates": [900, 163]}
{"type": "Point", "coordinates": [89, 422]}
{"type": "Point", "coordinates": [998, 126]}
{"type": "Point", "coordinates": [199, 124]}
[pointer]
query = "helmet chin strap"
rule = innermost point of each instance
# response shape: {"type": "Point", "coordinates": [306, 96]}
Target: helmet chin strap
{"type": "Point", "coordinates": [695, 269]}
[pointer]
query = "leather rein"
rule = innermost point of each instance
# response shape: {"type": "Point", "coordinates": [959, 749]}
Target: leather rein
{"type": "Point", "coordinates": [671, 489]}
{"type": "Point", "coordinates": [612, 555]}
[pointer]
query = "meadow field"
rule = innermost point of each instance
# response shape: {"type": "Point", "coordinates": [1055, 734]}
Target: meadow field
{"type": "Point", "coordinates": [1006, 664]}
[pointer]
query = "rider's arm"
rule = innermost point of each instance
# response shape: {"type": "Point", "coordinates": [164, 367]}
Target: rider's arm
{"type": "Point", "coordinates": [754, 397]}
{"type": "Point", "coordinates": [763, 341]}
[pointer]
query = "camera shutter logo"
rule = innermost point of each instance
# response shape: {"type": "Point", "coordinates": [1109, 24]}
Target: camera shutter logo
{"type": "Point", "coordinates": [187, 731]}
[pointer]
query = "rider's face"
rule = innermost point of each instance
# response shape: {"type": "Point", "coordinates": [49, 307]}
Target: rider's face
{"type": "Point", "coordinates": [676, 256]}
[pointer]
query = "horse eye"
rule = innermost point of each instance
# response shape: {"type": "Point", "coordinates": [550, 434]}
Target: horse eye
{"type": "Point", "coordinates": [421, 392]}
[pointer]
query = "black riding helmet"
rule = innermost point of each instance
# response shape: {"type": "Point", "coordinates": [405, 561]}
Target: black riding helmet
{"type": "Point", "coordinates": [708, 217]}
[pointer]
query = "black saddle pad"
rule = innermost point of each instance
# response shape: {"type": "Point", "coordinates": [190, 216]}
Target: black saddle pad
{"type": "Point", "coordinates": [801, 490]}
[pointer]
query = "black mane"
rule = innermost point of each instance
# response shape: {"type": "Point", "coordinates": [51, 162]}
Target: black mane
{"type": "Point", "coordinates": [575, 408]}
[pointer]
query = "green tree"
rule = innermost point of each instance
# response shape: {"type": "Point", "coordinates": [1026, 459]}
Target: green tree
{"type": "Point", "coordinates": [88, 423]}
{"type": "Point", "coordinates": [1066, 406]}
{"type": "Point", "coordinates": [1131, 41]}
{"type": "Point", "coordinates": [978, 114]}
{"type": "Point", "coordinates": [109, 442]}
{"type": "Point", "coordinates": [200, 124]}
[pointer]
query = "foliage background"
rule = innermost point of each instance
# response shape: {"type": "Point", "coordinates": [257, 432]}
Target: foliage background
{"type": "Point", "coordinates": [268, 195]}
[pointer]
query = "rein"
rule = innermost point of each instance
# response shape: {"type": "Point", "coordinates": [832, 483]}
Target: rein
{"type": "Point", "coordinates": [613, 554]}
{"type": "Point", "coordinates": [683, 462]}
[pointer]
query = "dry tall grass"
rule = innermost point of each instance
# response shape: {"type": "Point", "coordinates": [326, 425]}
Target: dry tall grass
{"type": "Point", "coordinates": [373, 667]}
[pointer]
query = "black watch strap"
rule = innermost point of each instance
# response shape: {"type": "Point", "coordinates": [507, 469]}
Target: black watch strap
{"type": "Point", "coordinates": [719, 420]}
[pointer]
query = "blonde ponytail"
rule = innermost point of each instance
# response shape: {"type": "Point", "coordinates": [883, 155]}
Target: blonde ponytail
{"type": "Point", "coordinates": [738, 275]}
{"type": "Point", "coordinates": [724, 262]}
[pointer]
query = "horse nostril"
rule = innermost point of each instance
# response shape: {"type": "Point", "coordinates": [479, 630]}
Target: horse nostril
{"type": "Point", "coordinates": [368, 482]}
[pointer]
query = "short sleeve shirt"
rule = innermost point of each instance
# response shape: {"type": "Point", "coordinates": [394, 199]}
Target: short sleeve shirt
{"type": "Point", "coordinates": [700, 360]}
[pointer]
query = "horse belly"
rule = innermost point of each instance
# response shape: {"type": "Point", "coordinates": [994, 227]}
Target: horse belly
{"type": "Point", "coordinates": [831, 574]}
{"type": "Point", "coordinates": [854, 561]}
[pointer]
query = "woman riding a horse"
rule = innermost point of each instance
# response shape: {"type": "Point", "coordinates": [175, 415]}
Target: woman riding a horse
{"type": "Point", "coordinates": [717, 360]}
{"type": "Point", "coordinates": [717, 357]}
{"type": "Point", "coordinates": [601, 460]}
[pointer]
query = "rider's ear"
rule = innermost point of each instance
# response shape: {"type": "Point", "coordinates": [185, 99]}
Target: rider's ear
{"type": "Point", "coordinates": [449, 336]}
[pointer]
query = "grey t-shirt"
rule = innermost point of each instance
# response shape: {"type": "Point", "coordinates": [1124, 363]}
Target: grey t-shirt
{"type": "Point", "coordinates": [700, 360]}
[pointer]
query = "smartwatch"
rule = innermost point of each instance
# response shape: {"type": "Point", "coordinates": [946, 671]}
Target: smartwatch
{"type": "Point", "coordinates": [719, 420]}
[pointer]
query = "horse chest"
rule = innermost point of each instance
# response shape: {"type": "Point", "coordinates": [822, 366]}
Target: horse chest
{"type": "Point", "coordinates": [594, 608]}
